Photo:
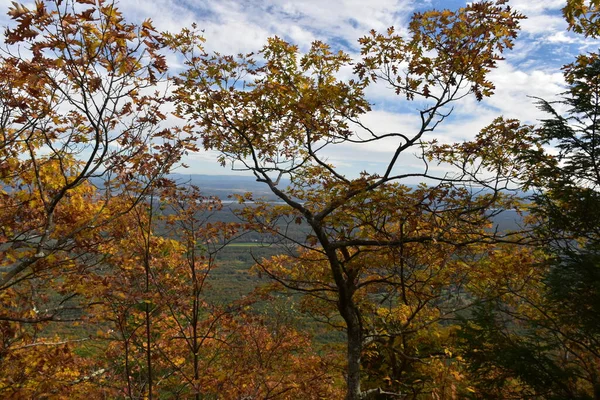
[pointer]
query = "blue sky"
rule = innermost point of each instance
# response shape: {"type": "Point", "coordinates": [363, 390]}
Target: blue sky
{"type": "Point", "coordinates": [532, 68]}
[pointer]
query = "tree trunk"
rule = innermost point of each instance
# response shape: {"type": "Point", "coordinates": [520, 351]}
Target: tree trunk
{"type": "Point", "coordinates": [354, 343]}
{"type": "Point", "coordinates": [349, 311]}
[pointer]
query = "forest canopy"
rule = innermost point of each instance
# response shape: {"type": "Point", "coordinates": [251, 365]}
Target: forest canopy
{"type": "Point", "coordinates": [115, 276]}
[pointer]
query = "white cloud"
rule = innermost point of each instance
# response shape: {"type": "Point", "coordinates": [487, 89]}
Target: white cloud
{"type": "Point", "coordinates": [536, 6]}
{"type": "Point", "coordinates": [543, 24]}
{"type": "Point", "coordinates": [514, 89]}
{"type": "Point", "coordinates": [233, 26]}
{"type": "Point", "coordinates": [561, 37]}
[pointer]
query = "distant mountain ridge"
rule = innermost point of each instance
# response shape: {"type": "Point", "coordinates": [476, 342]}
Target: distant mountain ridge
{"type": "Point", "coordinates": [223, 186]}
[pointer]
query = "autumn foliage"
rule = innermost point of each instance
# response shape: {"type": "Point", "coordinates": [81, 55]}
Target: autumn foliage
{"type": "Point", "coordinates": [106, 262]}
{"type": "Point", "coordinates": [94, 301]}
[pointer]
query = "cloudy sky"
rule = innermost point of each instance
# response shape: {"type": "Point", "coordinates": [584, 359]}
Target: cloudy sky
{"type": "Point", "coordinates": [532, 68]}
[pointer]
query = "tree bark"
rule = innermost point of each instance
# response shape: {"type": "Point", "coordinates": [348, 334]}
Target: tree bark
{"type": "Point", "coordinates": [354, 351]}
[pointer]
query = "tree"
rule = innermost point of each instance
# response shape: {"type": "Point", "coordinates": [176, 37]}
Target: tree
{"type": "Point", "coordinates": [565, 209]}
{"type": "Point", "coordinates": [83, 160]}
{"type": "Point", "coordinates": [582, 16]}
{"type": "Point", "coordinates": [162, 335]}
{"type": "Point", "coordinates": [546, 339]}
{"type": "Point", "coordinates": [275, 115]}
{"type": "Point", "coordinates": [81, 144]}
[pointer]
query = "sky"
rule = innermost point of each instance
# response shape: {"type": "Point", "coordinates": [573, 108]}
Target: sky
{"type": "Point", "coordinates": [532, 68]}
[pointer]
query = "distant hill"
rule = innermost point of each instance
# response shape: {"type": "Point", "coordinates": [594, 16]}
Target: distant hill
{"type": "Point", "coordinates": [223, 186]}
